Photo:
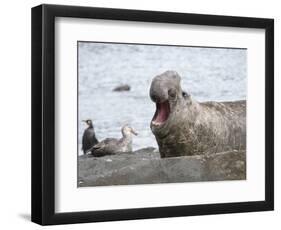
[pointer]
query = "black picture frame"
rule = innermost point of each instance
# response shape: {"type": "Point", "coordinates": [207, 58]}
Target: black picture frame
{"type": "Point", "coordinates": [43, 114]}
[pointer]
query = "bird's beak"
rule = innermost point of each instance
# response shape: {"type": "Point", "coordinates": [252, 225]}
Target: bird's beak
{"type": "Point", "coordinates": [84, 121]}
{"type": "Point", "coordinates": [134, 132]}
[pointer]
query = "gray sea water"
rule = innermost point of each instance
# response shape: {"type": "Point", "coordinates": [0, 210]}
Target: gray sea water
{"type": "Point", "coordinates": [208, 74]}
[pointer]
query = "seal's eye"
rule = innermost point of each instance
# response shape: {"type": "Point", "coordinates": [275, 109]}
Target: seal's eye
{"type": "Point", "coordinates": [184, 94]}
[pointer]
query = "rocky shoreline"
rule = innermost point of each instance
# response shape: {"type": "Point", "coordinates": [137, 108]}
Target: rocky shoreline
{"type": "Point", "coordinates": [145, 166]}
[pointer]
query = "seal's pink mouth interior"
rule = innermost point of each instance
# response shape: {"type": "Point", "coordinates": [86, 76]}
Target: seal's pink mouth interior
{"type": "Point", "coordinates": [162, 112]}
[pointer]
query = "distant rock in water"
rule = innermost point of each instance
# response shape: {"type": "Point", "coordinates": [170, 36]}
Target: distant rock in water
{"type": "Point", "coordinates": [145, 166]}
{"type": "Point", "coordinates": [121, 88]}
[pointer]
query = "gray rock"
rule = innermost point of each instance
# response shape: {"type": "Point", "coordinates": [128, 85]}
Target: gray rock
{"type": "Point", "coordinates": [122, 88]}
{"type": "Point", "coordinates": [146, 167]}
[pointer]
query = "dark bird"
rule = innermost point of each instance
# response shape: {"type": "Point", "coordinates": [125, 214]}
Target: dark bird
{"type": "Point", "coordinates": [89, 138]}
{"type": "Point", "coordinates": [110, 146]}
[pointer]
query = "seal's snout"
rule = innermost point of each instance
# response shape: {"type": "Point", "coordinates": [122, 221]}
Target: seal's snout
{"type": "Point", "coordinates": [158, 91]}
{"type": "Point", "coordinates": [160, 96]}
{"type": "Point", "coordinates": [164, 92]}
{"type": "Point", "coordinates": [157, 97]}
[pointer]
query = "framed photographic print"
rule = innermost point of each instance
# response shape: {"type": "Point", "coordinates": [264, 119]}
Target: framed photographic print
{"type": "Point", "coordinates": [142, 114]}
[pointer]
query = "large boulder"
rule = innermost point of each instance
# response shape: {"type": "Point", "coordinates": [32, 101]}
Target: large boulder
{"type": "Point", "coordinates": [146, 167]}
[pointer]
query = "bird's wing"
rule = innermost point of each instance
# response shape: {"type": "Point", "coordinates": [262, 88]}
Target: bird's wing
{"type": "Point", "coordinates": [84, 141]}
{"type": "Point", "coordinates": [105, 142]}
{"type": "Point", "coordinates": [95, 140]}
{"type": "Point", "coordinates": [92, 136]}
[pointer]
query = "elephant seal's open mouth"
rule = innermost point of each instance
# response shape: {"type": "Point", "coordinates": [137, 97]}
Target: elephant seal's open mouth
{"type": "Point", "coordinates": [161, 114]}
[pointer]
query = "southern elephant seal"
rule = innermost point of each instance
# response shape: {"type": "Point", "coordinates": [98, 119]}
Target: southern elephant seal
{"type": "Point", "coordinates": [183, 126]}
